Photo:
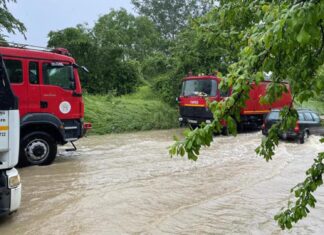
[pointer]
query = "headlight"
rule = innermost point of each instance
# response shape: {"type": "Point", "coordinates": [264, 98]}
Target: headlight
{"type": "Point", "coordinates": [14, 181]}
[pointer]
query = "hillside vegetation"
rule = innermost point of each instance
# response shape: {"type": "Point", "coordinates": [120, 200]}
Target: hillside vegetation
{"type": "Point", "coordinates": [135, 112]}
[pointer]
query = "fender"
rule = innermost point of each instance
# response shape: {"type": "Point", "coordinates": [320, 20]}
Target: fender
{"type": "Point", "coordinates": [43, 119]}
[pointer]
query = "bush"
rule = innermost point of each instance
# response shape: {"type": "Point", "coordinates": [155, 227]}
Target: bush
{"type": "Point", "coordinates": [128, 113]}
{"type": "Point", "coordinates": [119, 77]}
{"type": "Point", "coordinates": [168, 87]}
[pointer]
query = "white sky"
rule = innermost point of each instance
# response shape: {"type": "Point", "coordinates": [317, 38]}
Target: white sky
{"type": "Point", "coordinates": [42, 16]}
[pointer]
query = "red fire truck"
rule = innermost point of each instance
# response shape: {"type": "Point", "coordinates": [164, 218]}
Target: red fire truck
{"type": "Point", "coordinates": [194, 109]}
{"type": "Point", "coordinates": [50, 101]}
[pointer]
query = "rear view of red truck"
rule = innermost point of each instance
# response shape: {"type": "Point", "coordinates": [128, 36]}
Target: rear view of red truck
{"type": "Point", "coordinates": [194, 109]}
{"type": "Point", "coordinates": [48, 87]}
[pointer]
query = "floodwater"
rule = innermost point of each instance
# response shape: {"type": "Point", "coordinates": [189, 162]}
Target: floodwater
{"type": "Point", "coordinates": [127, 184]}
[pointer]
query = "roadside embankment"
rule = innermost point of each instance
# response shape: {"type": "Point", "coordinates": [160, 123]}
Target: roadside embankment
{"type": "Point", "coordinates": [136, 112]}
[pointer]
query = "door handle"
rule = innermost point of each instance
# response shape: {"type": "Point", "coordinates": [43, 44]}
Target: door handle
{"type": "Point", "coordinates": [44, 104]}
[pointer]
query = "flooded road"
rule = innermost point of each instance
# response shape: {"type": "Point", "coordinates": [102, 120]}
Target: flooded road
{"type": "Point", "coordinates": [127, 184]}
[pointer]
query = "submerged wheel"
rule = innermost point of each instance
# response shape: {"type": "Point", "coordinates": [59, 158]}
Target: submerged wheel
{"type": "Point", "coordinates": [302, 138]}
{"type": "Point", "coordinates": [37, 148]}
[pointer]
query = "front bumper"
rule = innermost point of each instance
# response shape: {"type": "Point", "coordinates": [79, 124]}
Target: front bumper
{"type": "Point", "coordinates": [10, 198]}
{"type": "Point", "coordinates": [75, 129]}
{"type": "Point", "coordinates": [195, 115]}
{"type": "Point", "coordinates": [193, 121]}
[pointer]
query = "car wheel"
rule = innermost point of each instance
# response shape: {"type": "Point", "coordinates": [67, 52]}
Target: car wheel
{"type": "Point", "coordinates": [37, 148]}
{"type": "Point", "coordinates": [307, 134]}
{"type": "Point", "coordinates": [302, 138]}
{"type": "Point", "coordinates": [225, 131]}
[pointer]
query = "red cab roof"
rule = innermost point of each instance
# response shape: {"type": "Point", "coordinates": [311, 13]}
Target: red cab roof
{"type": "Point", "coordinates": [34, 54]}
{"type": "Point", "coordinates": [203, 77]}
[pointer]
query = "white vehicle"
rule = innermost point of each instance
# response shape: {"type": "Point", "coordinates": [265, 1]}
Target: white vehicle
{"type": "Point", "coordinates": [10, 186]}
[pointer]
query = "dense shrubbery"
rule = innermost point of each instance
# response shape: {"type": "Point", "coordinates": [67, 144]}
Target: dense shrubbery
{"type": "Point", "coordinates": [168, 86]}
{"type": "Point", "coordinates": [140, 111]}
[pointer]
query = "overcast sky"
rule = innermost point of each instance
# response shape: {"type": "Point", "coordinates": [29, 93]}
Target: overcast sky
{"type": "Point", "coordinates": [42, 16]}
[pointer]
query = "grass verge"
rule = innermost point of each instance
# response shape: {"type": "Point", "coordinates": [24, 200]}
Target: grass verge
{"type": "Point", "coordinates": [136, 112]}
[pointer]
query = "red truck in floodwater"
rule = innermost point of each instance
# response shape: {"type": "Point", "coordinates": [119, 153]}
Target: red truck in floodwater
{"type": "Point", "coordinates": [51, 108]}
{"type": "Point", "coordinates": [194, 109]}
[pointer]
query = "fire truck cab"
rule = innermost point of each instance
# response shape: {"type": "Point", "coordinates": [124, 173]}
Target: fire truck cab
{"type": "Point", "coordinates": [50, 101]}
{"type": "Point", "coordinates": [196, 89]}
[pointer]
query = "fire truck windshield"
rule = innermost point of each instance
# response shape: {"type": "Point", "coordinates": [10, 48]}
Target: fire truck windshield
{"type": "Point", "coordinates": [199, 87]}
{"type": "Point", "coordinates": [61, 76]}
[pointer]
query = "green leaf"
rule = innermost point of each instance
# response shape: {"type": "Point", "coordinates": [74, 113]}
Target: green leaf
{"type": "Point", "coordinates": [303, 37]}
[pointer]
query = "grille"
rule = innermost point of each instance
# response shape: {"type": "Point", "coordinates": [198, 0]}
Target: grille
{"type": "Point", "coordinates": [197, 112]}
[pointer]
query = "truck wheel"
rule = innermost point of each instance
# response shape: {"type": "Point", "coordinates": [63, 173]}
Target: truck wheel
{"type": "Point", "coordinates": [193, 126]}
{"type": "Point", "coordinates": [37, 148]}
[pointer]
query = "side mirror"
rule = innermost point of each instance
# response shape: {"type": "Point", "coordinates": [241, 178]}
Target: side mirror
{"type": "Point", "coordinates": [85, 69]}
{"type": "Point", "coordinates": [81, 67]}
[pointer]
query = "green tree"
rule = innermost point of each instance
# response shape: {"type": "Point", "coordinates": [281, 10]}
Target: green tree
{"type": "Point", "coordinates": [287, 40]}
{"type": "Point", "coordinates": [8, 22]}
{"type": "Point", "coordinates": [134, 37]}
{"type": "Point", "coordinates": [206, 44]}
{"type": "Point", "coordinates": [171, 16]}
{"type": "Point", "coordinates": [109, 72]}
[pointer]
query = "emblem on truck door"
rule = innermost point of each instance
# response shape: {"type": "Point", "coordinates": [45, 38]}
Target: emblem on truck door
{"type": "Point", "coordinates": [65, 107]}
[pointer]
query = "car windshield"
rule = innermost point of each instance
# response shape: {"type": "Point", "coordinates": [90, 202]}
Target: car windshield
{"type": "Point", "coordinates": [199, 87]}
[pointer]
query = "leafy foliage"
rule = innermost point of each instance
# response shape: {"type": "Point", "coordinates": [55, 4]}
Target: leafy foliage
{"type": "Point", "coordinates": [167, 89]}
{"type": "Point", "coordinates": [8, 22]}
{"type": "Point", "coordinates": [119, 40]}
{"type": "Point", "coordinates": [282, 37]}
{"type": "Point", "coordinates": [171, 16]}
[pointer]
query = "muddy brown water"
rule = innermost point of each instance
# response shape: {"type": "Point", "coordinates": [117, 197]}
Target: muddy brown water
{"type": "Point", "coordinates": [127, 184]}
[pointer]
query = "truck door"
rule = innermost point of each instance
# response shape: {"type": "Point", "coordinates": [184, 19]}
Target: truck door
{"type": "Point", "coordinates": [16, 69]}
{"type": "Point", "coordinates": [33, 87]}
{"type": "Point", "coordinates": [9, 122]}
{"type": "Point", "coordinates": [58, 91]}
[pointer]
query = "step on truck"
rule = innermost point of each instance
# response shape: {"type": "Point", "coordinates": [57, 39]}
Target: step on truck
{"type": "Point", "coordinates": [51, 107]}
{"type": "Point", "coordinates": [196, 89]}
{"type": "Point", "coordinates": [10, 186]}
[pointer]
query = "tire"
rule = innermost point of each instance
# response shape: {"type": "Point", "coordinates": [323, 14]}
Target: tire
{"type": "Point", "coordinates": [302, 138]}
{"type": "Point", "coordinates": [37, 148]}
{"type": "Point", "coordinates": [225, 131]}
{"type": "Point", "coordinates": [193, 126]}
{"type": "Point", "coordinates": [307, 134]}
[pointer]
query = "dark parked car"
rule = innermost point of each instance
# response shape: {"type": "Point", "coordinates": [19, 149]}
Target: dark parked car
{"type": "Point", "coordinates": [308, 123]}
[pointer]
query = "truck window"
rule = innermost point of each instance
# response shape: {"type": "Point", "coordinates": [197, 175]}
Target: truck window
{"type": "Point", "coordinates": [14, 69]}
{"type": "Point", "coordinates": [33, 73]}
{"type": "Point", "coordinates": [58, 76]}
{"type": "Point", "coordinates": [199, 87]}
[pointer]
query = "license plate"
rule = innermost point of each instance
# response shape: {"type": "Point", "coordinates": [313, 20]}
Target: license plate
{"type": "Point", "coordinates": [192, 121]}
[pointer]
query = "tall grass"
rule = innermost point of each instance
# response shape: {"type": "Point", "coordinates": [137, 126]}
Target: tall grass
{"type": "Point", "coordinates": [136, 112]}
{"type": "Point", "coordinates": [314, 104]}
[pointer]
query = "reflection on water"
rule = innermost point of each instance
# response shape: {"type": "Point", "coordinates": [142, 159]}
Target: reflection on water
{"type": "Point", "coordinates": [127, 183]}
